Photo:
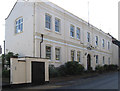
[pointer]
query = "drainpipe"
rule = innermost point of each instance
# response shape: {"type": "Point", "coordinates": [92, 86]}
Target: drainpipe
{"type": "Point", "coordinates": [40, 44]}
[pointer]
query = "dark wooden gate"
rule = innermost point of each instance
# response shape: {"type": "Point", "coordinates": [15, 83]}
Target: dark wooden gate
{"type": "Point", "coordinates": [38, 72]}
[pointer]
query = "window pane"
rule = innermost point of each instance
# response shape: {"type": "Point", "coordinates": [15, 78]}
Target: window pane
{"type": "Point", "coordinates": [48, 21]}
{"type": "Point", "coordinates": [57, 25]}
{"type": "Point", "coordinates": [57, 53]}
{"type": "Point", "coordinates": [72, 55]}
{"type": "Point", "coordinates": [48, 52]}
{"type": "Point", "coordinates": [78, 56]}
{"type": "Point", "coordinates": [19, 25]}
{"type": "Point", "coordinates": [72, 31]}
{"type": "Point", "coordinates": [78, 33]}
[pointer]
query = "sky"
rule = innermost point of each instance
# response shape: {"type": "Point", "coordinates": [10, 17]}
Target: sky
{"type": "Point", "coordinates": [103, 14]}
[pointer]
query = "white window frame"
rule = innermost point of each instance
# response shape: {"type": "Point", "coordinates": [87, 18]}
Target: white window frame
{"type": "Point", "coordinates": [103, 60]}
{"type": "Point", "coordinates": [103, 43]}
{"type": "Point", "coordinates": [97, 59]}
{"type": "Point", "coordinates": [79, 56]}
{"type": "Point", "coordinates": [57, 55]}
{"type": "Point", "coordinates": [49, 22]}
{"type": "Point", "coordinates": [108, 45]}
{"type": "Point", "coordinates": [88, 37]}
{"type": "Point", "coordinates": [19, 25]}
{"type": "Point", "coordinates": [72, 55]}
{"type": "Point", "coordinates": [109, 62]}
{"type": "Point", "coordinates": [78, 29]}
{"type": "Point", "coordinates": [73, 31]}
{"type": "Point", "coordinates": [96, 40]}
{"type": "Point", "coordinates": [50, 51]}
{"type": "Point", "coordinates": [59, 26]}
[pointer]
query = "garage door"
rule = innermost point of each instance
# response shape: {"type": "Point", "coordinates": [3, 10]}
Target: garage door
{"type": "Point", "coordinates": [38, 72]}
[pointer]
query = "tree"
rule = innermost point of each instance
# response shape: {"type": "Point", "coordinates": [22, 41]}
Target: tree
{"type": "Point", "coordinates": [6, 58]}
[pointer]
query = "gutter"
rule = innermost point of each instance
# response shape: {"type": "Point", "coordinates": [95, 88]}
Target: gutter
{"type": "Point", "coordinates": [40, 44]}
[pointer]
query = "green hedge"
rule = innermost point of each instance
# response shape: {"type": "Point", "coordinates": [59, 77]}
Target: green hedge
{"type": "Point", "coordinates": [69, 68]}
{"type": "Point", "coordinates": [106, 68]}
{"type": "Point", "coordinates": [74, 68]}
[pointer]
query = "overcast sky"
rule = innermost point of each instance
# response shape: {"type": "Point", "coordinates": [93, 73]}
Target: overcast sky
{"type": "Point", "coordinates": [102, 13]}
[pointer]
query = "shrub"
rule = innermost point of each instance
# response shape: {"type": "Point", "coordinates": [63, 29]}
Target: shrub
{"type": "Point", "coordinates": [99, 69]}
{"type": "Point", "coordinates": [62, 70]}
{"type": "Point", "coordinates": [113, 67]}
{"type": "Point", "coordinates": [73, 68]}
{"type": "Point", "coordinates": [53, 71]}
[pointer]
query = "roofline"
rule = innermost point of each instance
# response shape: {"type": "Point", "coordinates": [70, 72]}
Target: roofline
{"type": "Point", "coordinates": [11, 10]}
{"type": "Point", "coordinates": [85, 22]}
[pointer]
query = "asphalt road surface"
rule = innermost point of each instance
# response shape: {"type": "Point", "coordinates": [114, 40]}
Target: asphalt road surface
{"type": "Point", "coordinates": [105, 81]}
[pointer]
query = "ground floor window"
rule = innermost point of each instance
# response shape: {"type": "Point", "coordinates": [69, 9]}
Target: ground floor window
{"type": "Point", "coordinates": [48, 52]}
{"type": "Point", "coordinates": [96, 59]}
{"type": "Point", "coordinates": [72, 55]}
{"type": "Point", "coordinates": [57, 53]}
{"type": "Point", "coordinates": [103, 60]}
{"type": "Point", "coordinates": [78, 56]}
{"type": "Point", "coordinates": [108, 60]}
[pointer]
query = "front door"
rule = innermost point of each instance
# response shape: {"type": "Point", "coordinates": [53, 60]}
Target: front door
{"type": "Point", "coordinates": [38, 72]}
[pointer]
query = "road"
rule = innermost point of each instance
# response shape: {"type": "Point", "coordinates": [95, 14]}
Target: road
{"type": "Point", "coordinates": [103, 81]}
{"type": "Point", "coordinates": [106, 81]}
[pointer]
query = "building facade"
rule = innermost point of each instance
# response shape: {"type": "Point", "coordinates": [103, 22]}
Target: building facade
{"type": "Point", "coordinates": [0, 49]}
{"type": "Point", "coordinates": [66, 37]}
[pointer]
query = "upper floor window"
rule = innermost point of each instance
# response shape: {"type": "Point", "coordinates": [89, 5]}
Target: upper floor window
{"type": "Point", "coordinates": [48, 52]}
{"type": "Point", "coordinates": [96, 40]}
{"type": "Point", "coordinates": [57, 25]}
{"type": "Point", "coordinates": [108, 45]}
{"type": "Point", "coordinates": [78, 33]}
{"type": "Point", "coordinates": [48, 21]}
{"type": "Point", "coordinates": [72, 55]}
{"type": "Point", "coordinates": [78, 56]}
{"type": "Point", "coordinates": [19, 25]}
{"type": "Point", "coordinates": [72, 31]}
{"type": "Point", "coordinates": [103, 43]}
{"type": "Point", "coordinates": [96, 59]}
{"type": "Point", "coordinates": [88, 37]}
{"type": "Point", "coordinates": [57, 53]}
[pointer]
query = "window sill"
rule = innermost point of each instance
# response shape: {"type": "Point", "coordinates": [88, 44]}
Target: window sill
{"type": "Point", "coordinates": [18, 33]}
{"type": "Point", "coordinates": [48, 29]}
{"type": "Point", "coordinates": [58, 33]}
{"type": "Point", "coordinates": [57, 61]}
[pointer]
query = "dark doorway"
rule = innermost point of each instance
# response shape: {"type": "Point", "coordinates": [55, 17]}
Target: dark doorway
{"type": "Point", "coordinates": [88, 62]}
{"type": "Point", "coordinates": [38, 72]}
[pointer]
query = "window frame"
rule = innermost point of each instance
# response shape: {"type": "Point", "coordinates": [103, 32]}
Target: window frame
{"type": "Point", "coordinates": [79, 56]}
{"type": "Point", "coordinates": [88, 37]}
{"type": "Point", "coordinates": [19, 24]}
{"type": "Point", "coordinates": [103, 43]}
{"type": "Point", "coordinates": [59, 26]}
{"type": "Point", "coordinates": [109, 62]}
{"type": "Point", "coordinates": [96, 59]}
{"type": "Point", "coordinates": [73, 56]}
{"type": "Point", "coordinates": [108, 45]}
{"type": "Point", "coordinates": [77, 33]}
{"type": "Point", "coordinates": [49, 51]}
{"type": "Point", "coordinates": [59, 54]}
{"type": "Point", "coordinates": [103, 60]}
{"type": "Point", "coordinates": [96, 40]}
{"type": "Point", "coordinates": [73, 31]}
{"type": "Point", "coordinates": [50, 22]}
